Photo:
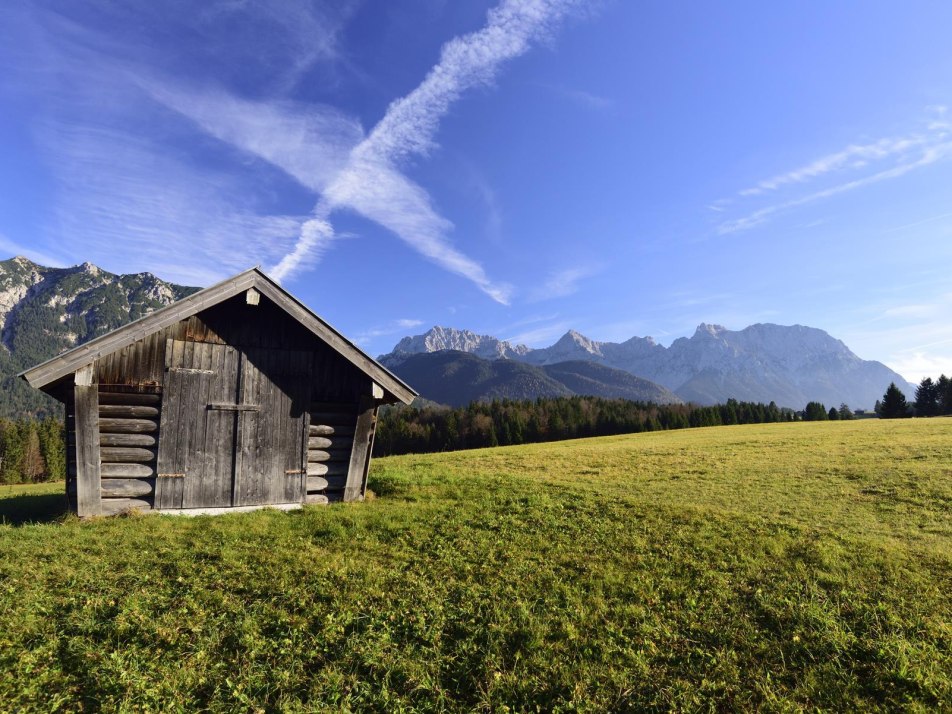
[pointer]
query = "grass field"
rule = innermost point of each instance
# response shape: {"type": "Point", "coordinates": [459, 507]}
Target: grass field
{"type": "Point", "coordinates": [779, 567]}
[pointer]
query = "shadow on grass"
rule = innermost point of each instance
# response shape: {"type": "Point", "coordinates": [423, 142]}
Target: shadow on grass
{"type": "Point", "coordinates": [26, 508]}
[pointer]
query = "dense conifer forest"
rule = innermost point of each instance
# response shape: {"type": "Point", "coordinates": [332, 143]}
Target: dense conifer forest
{"type": "Point", "coordinates": [403, 430]}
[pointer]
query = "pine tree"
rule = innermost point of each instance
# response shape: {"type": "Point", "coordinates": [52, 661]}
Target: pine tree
{"type": "Point", "coordinates": [894, 404]}
{"type": "Point", "coordinates": [944, 389]}
{"type": "Point", "coordinates": [815, 411]}
{"type": "Point", "coordinates": [927, 398]}
{"type": "Point", "coordinates": [846, 413]}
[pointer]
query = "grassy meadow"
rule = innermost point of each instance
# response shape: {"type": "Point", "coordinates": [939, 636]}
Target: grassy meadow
{"type": "Point", "coordinates": [779, 567]}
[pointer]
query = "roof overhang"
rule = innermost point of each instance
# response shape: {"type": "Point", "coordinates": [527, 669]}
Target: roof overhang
{"type": "Point", "coordinates": [49, 372]}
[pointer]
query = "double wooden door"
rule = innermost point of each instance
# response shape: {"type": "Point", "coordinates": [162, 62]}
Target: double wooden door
{"type": "Point", "coordinates": [233, 430]}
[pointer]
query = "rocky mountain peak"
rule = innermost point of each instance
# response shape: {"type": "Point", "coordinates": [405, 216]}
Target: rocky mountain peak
{"type": "Point", "coordinates": [790, 365]}
{"type": "Point", "coordinates": [706, 330]}
{"type": "Point", "coordinates": [439, 338]}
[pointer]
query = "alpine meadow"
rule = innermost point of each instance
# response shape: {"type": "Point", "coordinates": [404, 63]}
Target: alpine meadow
{"type": "Point", "coordinates": [783, 567]}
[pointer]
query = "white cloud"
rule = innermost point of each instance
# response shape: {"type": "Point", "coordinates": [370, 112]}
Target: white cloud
{"type": "Point", "coordinates": [929, 155]}
{"type": "Point", "coordinates": [562, 283]}
{"type": "Point", "coordinates": [11, 248]}
{"type": "Point", "coordinates": [372, 184]}
{"type": "Point", "coordinates": [310, 142]}
{"type": "Point", "coordinates": [394, 327]}
{"type": "Point", "coordinates": [854, 156]}
{"type": "Point", "coordinates": [542, 336]}
{"type": "Point", "coordinates": [581, 97]}
{"type": "Point", "coordinates": [875, 161]}
{"type": "Point", "coordinates": [137, 208]}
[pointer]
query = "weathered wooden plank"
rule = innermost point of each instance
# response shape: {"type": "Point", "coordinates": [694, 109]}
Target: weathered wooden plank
{"type": "Point", "coordinates": [86, 410]}
{"type": "Point", "coordinates": [360, 454]}
{"type": "Point", "coordinates": [316, 499]}
{"type": "Point", "coordinates": [127, 440]}
{"type": "Point", "coordinates": [316, 483]}
{"type": "Point", "coordinates": [142, 398]}
{"type": "Point", "coordinates": [128, 426]}
{"type": "Point", "coordinates": [125, 454]}
{"type": "Point", "coordinates": [216, 487]}
{"type": "Point", "coordinates": [331, 430]}
{"type": "Point", "coordinates": [115, 506]}
{"type": "Point", "coordinates": [234, 407]}
{"type": "Point", "coordinates": [127, 471]}
{"type": "Point", "coordinates": [318, 442]}
{"type": "Point", "coordinates": [128, 411]}
{"type": "Point", "coordinates": [182, 437]}
{"type": "Point", "coordinates": [127, 487]}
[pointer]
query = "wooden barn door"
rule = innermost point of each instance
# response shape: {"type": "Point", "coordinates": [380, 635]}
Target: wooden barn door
{"type": "Point", "coordinates": [272, 459]}
{"type": "Point", "coordinates": [233, 428]}
{"type": "Point", "coordinates": [196, 458]}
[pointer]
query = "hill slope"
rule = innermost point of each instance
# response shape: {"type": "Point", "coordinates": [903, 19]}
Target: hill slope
{"type": "Point", "coordinates": [45, 311]}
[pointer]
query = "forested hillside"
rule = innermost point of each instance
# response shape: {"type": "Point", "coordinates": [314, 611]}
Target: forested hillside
{"type": "Point", "coordinates": [45, 311]}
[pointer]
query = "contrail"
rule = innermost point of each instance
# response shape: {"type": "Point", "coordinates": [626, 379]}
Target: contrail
{"type": "Point", "coordinates": [371, 183]}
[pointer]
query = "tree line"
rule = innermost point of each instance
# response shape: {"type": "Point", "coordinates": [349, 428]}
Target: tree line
{"type": "Point", "coordinates": [933, 398]}
{"type": "Point", "coordinates": [404, 430]}
{"type": "Point", "coordinates": [32, 451]}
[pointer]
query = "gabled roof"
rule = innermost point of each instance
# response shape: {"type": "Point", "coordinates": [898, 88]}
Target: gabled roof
{"type": "Point", "coordinates": [83, 355]}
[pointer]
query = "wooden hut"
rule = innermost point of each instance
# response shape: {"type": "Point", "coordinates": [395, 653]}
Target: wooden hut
{"type": "Point", "coordinates": [235, 397]}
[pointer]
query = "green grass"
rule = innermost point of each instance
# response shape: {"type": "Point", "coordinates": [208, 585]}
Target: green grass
{"type": "Point", "coordinates": [780, 567]}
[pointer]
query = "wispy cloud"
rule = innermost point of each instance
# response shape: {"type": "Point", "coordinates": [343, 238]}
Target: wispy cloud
{"type": "Point", "coordinates": [11, 248]}
{"type": "Point", "coordinates": [541, 336]}
{"type": "Point", "coordinates": [137, 208]}
{"type": "Point", "coordinates": [589, 100]}
{"type": "Point", "coordinates": [372, 183]}
{"type": "Point", "coordinates": [395, 327]}
{"type": "Point", "coordinates": [870, 163]}
{"type": "Point", "coordinates": [856, 156]}
{"type": "Point", "coordinates": [562, 283]}
{"type": "Point", "coordinates": [128, 196]}
{"type": "Point", "coordinates": [929, 155]}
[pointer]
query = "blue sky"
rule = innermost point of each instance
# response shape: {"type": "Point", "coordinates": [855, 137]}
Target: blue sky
{"type": "Point", "coordinates": [514, 168]}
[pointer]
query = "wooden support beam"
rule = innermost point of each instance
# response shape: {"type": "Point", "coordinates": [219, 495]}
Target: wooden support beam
{"type": "Point", "coordinates": [86, 405]}
{"type": "Point", "coordinates": [360, 452]}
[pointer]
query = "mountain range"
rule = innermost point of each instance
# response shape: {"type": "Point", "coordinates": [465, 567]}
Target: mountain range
{"type": "Point", "coordinates": [45, 311]}
{"type": "Point", "coordinates": [790, 365]}
{"type": "Point", "coordinates": [457, 378]}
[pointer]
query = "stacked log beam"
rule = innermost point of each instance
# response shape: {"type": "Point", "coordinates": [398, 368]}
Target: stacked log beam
{"type": "Point", "coordinates": [329, 443]}
{"type": "Point", "coordinates": [128, 443]}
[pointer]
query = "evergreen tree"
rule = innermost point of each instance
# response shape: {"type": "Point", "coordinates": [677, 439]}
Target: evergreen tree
{"type": "Point", "coordinates": [815, 411]}
{"type": "Point", "coordinates": [927, 398]}
{"type": "Point", "coordinates": [834, 415]}
{"type": "Point", "coordinates": [893, 404]}
{"type": "Point", "coordinates": [846, 413]}
{"type": "Point", "coordinates": [944, 390]}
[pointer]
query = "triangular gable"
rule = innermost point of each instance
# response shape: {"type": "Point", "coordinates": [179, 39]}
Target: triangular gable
{"type": "Point", "coordinates": [83, 355]}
